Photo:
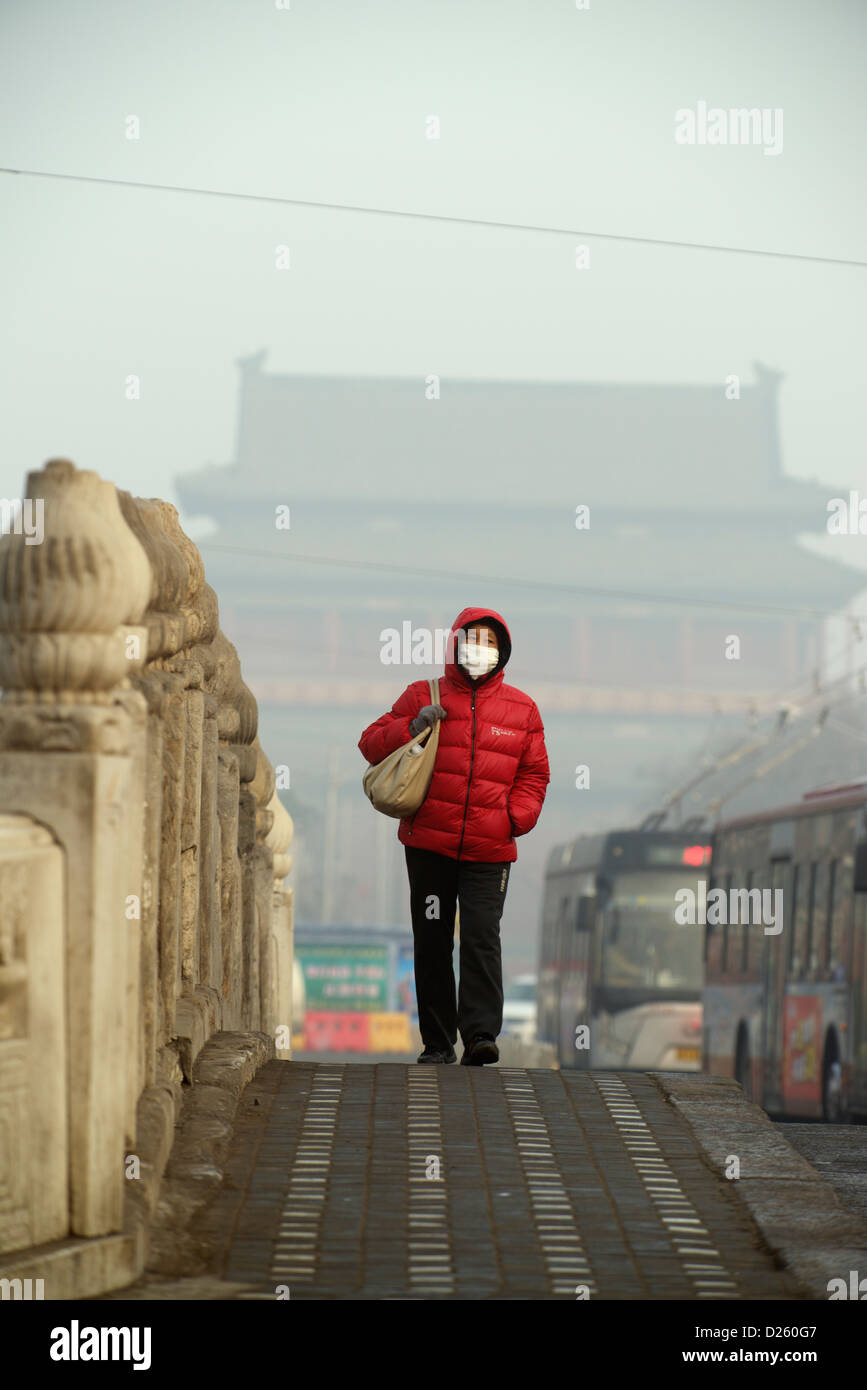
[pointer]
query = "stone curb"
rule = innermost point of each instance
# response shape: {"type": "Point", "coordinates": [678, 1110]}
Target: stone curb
{"type": "Point", "coordinates": [797, 1212]}
{"type": "Point", "coordinates": [204, 1289]}
{"type": "Point", "coordinates": [225, 1066]}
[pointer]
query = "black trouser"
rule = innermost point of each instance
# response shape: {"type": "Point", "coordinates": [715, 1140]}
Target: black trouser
{"type": "Point", "coordinates": [436, 885]}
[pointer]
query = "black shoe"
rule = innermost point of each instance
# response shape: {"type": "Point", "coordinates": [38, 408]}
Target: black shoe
{"type": "Point", "coordinates": [433, 1054]}
{"type": "Point", "coordinates": [482, 1049]}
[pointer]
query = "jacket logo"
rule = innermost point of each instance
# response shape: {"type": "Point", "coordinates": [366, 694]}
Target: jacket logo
{"type": "Point", "coordinates": [495, 729]}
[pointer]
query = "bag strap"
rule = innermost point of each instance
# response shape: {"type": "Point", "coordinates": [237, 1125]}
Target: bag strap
{"type": "Point", "coordinates": [434, 691]}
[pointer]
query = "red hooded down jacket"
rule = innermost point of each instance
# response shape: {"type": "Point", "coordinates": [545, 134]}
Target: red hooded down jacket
{"type": "Point", "coordinates": [491, 771]}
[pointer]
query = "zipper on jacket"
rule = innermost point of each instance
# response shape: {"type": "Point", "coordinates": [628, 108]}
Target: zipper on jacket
{"type": "Point", "coordinates": [470, 778]}
{"type": "Point", "coordinates": [415, 813]}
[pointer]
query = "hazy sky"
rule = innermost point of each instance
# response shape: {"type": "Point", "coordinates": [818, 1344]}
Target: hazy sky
{"type": "Point", "coordinates": [548, 115]}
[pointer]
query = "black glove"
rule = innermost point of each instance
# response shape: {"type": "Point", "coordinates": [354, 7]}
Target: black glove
{"type": "Point", "coordinates": [426, 718]}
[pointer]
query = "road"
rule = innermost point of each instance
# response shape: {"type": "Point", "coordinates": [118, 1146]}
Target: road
{"type": "Point", "coordinates": [839, 1153]}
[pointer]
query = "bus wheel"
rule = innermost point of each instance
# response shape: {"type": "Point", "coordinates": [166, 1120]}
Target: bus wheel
{"type": "Point", "coordinates": [833, 1112]}
{"type": "Point", "coordinates": [742, 1064]}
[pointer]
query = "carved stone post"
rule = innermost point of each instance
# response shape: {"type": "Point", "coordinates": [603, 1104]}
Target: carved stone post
{"type": "Point", "coordinates": [279, 839]}
{"type": "Point", "coordinates": [236, 813]}
{"type": "Point", "coordinates": [262, 788]}
{"type": "Point", "coordinates": [210, 952]}
{"type": "Point", "coordinates": [247, 813]}
{"type": "Point", "coordinates": [183, 618]}
{"type": "Point", "coordinates": [163, 691]}
{"type": "Point", "coordinates": [69, 753]}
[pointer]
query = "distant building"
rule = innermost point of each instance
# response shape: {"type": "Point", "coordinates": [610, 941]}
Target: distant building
{"type": "Point", "coordinates": [619, 629]}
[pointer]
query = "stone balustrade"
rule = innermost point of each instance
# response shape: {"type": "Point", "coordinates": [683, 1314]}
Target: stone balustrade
{"type": "Point", "coordinates": [143, 909]}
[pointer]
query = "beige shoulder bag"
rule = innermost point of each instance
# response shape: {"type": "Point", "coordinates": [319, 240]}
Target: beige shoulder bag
{"type": "Point", "coordinates": [399, 784]}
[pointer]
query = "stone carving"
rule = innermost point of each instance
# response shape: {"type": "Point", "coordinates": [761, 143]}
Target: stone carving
{"type": "Point", "coordinates": [279, 838]}
{"type": "Point", "coordinates": [66, 604]}
{"type": "Point", "coordinates": [33, 1172]}
{"type": "Point", "coordinates": [15, 1224]}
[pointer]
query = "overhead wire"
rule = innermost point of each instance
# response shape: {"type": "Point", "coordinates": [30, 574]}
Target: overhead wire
{"type": "Point", "coordinates": [821, 697]}
{"type": "Point", "coordinates": [500, 225]}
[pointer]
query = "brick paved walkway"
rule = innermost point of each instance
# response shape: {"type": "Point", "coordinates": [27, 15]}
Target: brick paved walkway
{"type": "Point", "coordinates": [391, 1181]}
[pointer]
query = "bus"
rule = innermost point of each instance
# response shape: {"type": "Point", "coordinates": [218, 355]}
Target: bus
{"type": "Point", "coordinates": [785, 1010]}
{"type": "Point", "coordinates": [620, 979]}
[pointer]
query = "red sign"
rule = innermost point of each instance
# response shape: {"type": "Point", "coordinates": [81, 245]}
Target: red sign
{"type": "Point", "coordinates": [802, 1048]}
{"type": "Point", "coordinates": [336, 1032]}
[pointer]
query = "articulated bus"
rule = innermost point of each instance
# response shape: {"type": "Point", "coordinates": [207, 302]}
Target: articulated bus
{"type": "Point", "coordinates": [619, 979]}
{"type": "Point", "coordinates": [785, 1012]}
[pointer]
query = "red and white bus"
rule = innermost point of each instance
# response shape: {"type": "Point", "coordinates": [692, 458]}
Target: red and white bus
{"type": "Point", "coordinates": [785, 1011]}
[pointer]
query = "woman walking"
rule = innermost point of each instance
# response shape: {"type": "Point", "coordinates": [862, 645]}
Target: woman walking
{"type": "Point", "coordinates": [489, 782]}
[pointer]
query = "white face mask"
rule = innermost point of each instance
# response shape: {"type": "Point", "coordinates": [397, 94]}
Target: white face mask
{"type": "Point", "coordinates": [476, 660]}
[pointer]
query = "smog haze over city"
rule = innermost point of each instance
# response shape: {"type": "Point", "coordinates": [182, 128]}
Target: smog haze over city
{"type": "Point", "coordinates": [432, 278]}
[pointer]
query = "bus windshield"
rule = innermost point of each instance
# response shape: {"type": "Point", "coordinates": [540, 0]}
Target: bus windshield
{"type": "Point", "coordinates": [643, 947]}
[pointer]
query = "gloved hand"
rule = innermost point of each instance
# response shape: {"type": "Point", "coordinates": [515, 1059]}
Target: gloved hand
{"type": "Point", "coordinates": [426, 718]}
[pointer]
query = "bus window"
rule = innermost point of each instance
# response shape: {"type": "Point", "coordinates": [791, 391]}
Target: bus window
{"type": "Point", "coordinates": [841, 908]}
{"type": "Point", "coordinates": [561, 952]}
{"type": "Point", "coordinates": [825, 954]}
{"type": "Point", "coordinates": [785, 877]}
{"type": "Point", "coordinates": [817, 922]}
{"type": "Point", "coordinates": [724, 950]}
{"type": "Point", "coordinates": [781, 875]}
{"type": "Point", "coordinates": [802, 920]}
{"type": "Point", "coordinates": [710, 926]}
{"type": "Point", "coordinates": [642, 946]}
{"type": "Point", "coordinates": [755, 963]}
{"type": "Point", "coordinates": [584, 914]}
{"type": "Point", "coordinates": [771, 968]}
{"type": "Point", "coordinates": [797, 896]}
{"type": "Point", "coordinates": [745, 926]}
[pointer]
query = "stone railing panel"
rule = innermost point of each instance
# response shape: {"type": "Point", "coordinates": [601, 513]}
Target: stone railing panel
{"type": "Point", "coordinates": [34, 1139]}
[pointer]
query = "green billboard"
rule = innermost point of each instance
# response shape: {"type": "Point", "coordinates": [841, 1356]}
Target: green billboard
{"type": "Point", "coordinates": [345, 978]}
